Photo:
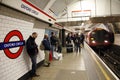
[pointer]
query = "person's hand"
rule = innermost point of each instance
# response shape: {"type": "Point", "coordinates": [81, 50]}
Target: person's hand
{"type": "Point", "coordinates": [36, 45]}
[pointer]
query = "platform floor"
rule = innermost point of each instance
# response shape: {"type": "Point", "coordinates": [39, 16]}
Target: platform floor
{"type": "Point", "coordinates": [73, 67]}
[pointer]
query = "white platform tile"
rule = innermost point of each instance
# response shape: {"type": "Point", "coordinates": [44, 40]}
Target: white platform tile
{"type": "Point", "coordinates": [21, 65]}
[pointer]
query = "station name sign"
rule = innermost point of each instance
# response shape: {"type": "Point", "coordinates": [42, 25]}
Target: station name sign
{"type": "Point", "coordinates": [6, 45]}
{"type": "Point", "coordinates": [30, 10]}
{"type": "Point", "coordinates": [11, 44]}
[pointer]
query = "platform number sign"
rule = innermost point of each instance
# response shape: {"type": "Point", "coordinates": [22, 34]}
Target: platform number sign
{"type": "Point", "coordinates": [7, 44]}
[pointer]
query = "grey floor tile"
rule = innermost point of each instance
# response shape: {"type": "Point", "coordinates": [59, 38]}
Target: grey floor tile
{"type": "Point", "coordinates": [70, 68]}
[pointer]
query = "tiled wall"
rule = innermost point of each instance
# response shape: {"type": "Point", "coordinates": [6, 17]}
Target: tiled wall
{"type": "Point", "coordinates": [12, 69]}
{"type": "Point", "coordinates": [117, 36]}
{"type": "Point", "coordinates": [117, 39]}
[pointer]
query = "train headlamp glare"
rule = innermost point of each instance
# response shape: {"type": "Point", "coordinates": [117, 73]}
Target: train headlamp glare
{"type": "Point", "coordinates": [93, 42]}
{"type": "Point", "coordinates": [106, 41]}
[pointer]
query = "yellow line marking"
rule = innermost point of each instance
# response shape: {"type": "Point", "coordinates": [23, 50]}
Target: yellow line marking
{"type": "Point", "coordinates": [101, 68]}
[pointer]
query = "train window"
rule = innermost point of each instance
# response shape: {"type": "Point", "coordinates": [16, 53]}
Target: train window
{"type": "Point", "coordinates": [106, 35]}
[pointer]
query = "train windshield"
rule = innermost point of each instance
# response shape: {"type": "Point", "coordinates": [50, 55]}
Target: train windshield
{"type": "Point", "coordinates": [100, 35]}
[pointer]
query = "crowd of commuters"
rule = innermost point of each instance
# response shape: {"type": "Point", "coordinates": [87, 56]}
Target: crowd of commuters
{"type": "Point", "coordinates": [75, 39]}
{"type": "Point", "coordinates": [51, 43]}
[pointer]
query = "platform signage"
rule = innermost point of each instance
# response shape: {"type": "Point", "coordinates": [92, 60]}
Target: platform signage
{"type": "Point", "coordinates": [28, 7]}
{"type": "Point", "coordinates": [11, 44]}
{"type": "Point", "coordinates": [81, 13]}
{"type": "Point", "coordinates": [23, 6]}
{"type": "Point", "coordinates": [7, 44]}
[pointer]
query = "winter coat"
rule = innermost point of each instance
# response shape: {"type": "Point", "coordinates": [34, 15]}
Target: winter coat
{"type": "Point", "coordinates": [53, 40]}
{"type": "Point", "coordinates": [46, 44]}
{"type": "Point", "coordinates": [31, 46]}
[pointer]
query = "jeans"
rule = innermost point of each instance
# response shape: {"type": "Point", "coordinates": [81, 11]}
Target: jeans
{"type": "Point", "coordinates": [53, 47]}
{"type": "Point", "coordinates": [77, 47]}
{"type": "Point", "coordinates": [34, 64]}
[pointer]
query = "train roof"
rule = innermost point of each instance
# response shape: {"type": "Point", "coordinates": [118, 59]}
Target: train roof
{"type": "Point", "coordinates": [105, 26]}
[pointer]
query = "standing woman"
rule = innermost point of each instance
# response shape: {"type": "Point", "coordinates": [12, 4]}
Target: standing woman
{"type": "Point", "coordinates": [46, 44]}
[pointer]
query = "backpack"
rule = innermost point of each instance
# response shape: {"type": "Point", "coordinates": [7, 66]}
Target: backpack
{"type": "Point", "coordinates": [42, 46]}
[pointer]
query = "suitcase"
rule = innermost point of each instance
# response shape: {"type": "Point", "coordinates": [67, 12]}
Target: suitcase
{"type": "Point", "coordinates": [69, 48]}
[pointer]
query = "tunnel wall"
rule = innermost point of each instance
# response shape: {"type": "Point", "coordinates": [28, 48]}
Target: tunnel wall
{"type": "Point", "coordinates": [10, 19]}
{"type": "Point", "coordinates": [117, 39]}
{"type": "Point", "coordinates": [117, 35]}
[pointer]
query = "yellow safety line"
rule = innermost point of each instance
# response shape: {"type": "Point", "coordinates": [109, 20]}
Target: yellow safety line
{"type": "Point", "coordinates": [103, 71]}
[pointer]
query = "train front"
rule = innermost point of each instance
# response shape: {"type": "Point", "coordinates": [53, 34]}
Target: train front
{"type": "Point", "coordinates": [100, 37]}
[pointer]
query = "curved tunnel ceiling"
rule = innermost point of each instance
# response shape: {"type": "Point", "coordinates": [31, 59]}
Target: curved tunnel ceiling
{"type": "Point", "coordinates": [40, 3]}
{"type": "Point", "coordinates": [59, 8]}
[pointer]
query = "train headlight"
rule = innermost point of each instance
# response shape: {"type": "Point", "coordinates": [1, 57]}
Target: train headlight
{"type": "Point", "coordinates": [93, 42]}
{"type": "Point", "coordinates": [105, 41]}
{"type": "Point", "coordinates": [92, 38]}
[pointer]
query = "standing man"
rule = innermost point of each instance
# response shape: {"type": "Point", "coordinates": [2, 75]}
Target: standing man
{"type": "Point", "coordinates": [46, 44]}
{"type": "Point", "coordinates": [77, 43]}
{"type": "Point", "coordinates": [53, 41]}
{"type": "Point", "coordinates": [68, 39]}
{"type": "Point", "coordinates": [82, 39]}
{"type": "Point", "coordinates": [32, 50]}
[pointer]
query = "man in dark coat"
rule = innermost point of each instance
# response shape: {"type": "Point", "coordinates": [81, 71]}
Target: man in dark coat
{"type": "Point", "coordinates": [77, 43]}
{"type": "Point", "coordinates": [53, 41]}
{"type": "Point", "coordinates": [82, 39]}
{"type": "Point", "coordinates": [32, 50]}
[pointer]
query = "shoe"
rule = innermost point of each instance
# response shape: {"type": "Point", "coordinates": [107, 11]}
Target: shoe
{"type": "Point", "coordinates": [47, 65]}
{"type": "Point", "coordinates": [35, 75]}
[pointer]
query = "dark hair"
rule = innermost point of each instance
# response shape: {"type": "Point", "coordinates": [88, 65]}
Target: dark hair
{"type": "Point", "coordinates": [52, 33]}
{"type": "Point", "coordinates": [45, 36]}
{"type": "Point", "coordinates": [34, 33]}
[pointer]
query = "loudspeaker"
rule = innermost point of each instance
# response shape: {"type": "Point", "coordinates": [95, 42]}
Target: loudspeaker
{"type": "Point", "coordinates": [50, 25]}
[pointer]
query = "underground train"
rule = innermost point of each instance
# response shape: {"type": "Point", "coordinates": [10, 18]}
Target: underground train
{"type": "Point", "coordinates": [100, 36]}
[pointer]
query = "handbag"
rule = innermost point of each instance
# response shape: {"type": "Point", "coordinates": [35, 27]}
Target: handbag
{"type": "Point", "coordinates": [42, 47]}
{"type": "Point", "coordinates": [50, 56]}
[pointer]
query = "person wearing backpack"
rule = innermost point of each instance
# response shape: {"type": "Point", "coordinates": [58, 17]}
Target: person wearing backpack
{"type": "Point", "coordinates": [32, 50]}
{"type": "Point", "coordinates": [47, 48]}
